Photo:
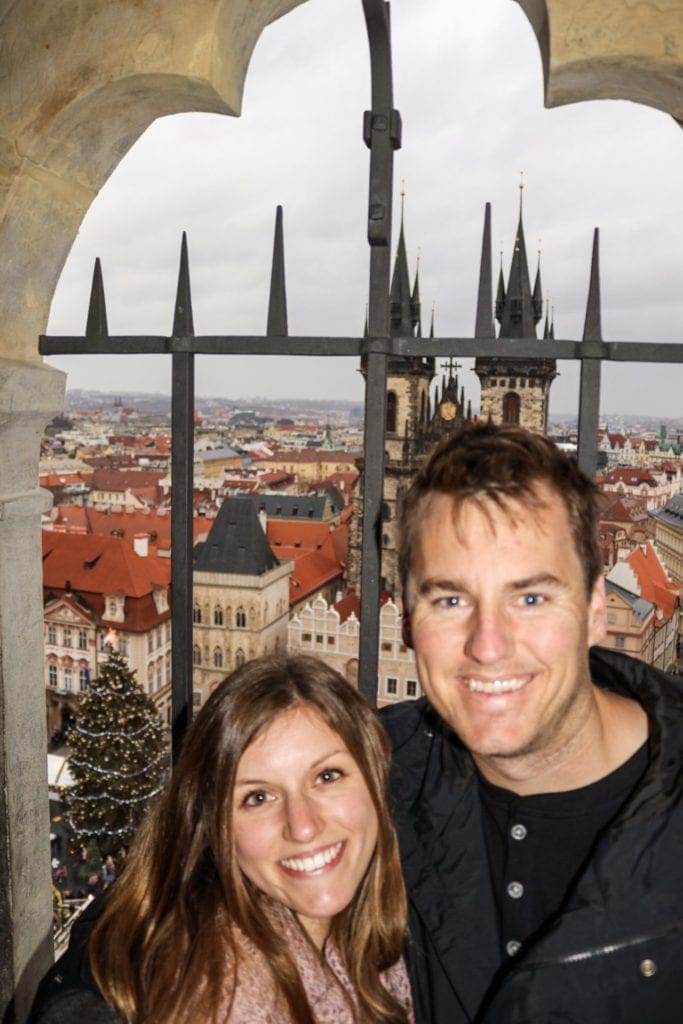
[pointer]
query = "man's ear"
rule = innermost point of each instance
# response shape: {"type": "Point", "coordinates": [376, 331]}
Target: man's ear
{"type": "Point", "coordinates": [597, 612]}
{"type": "Point", "coordinates": [406, 631]}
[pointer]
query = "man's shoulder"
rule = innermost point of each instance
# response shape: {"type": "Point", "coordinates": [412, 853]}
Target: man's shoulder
{"type": "Point", "coordinates": [633, 677]}
{"type": "Point", "coordinates": [406, 719]}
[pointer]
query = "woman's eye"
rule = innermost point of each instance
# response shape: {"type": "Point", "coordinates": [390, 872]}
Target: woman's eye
{"type": "Point", "coordinates": [255, 799]}
{"type": "Point", "coordinates": [330, 775]}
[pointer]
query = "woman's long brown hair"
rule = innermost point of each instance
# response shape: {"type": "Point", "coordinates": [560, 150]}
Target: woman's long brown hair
{"type": "Point", "coordinates": [163, 950]}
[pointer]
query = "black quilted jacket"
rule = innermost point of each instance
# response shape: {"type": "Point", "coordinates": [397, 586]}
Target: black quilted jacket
{"type": "Point", "coordinates": [615, 953]}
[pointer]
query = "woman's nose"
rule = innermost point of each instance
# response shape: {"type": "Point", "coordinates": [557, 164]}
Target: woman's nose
{"type": "Point", "coordinates": [302, 820]}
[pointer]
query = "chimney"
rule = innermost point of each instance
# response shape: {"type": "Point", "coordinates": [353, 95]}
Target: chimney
{"type": "Point", "coordinates": [141, 544]}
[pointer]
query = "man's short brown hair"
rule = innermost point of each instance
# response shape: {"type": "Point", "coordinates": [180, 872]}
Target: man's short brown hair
{"type": "Point", "coordinates": [483, 462]}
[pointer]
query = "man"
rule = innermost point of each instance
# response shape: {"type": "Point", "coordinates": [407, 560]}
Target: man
{"type": "Point", "coordinates": [537, 789]}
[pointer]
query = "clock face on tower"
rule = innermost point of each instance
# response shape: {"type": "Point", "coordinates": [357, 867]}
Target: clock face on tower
{"type": "Point", "coordinates": [447, 410]}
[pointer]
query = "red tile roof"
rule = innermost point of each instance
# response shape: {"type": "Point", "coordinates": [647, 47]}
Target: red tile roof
{"type": "Point", "coordinates": [103, 565]}
{"type": "Point", "coordinates": [122, 480]}
{"type": "Point", "coordinates": [319, 553]}
{"type": "Point", "coordinates": [95, 567]}
{"type": "Point", "coordinates": [124, 523]}
{"type": "Point", "coordinates": [655, 585]}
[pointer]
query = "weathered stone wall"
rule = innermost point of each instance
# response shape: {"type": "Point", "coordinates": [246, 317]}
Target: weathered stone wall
{"type": "Point", "coordinates": [610, 49]}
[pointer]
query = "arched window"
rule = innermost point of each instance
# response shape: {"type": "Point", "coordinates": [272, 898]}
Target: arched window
{"type": "Point", "coordinates": [218, 616]}
{"type": "Point", "coordinates": [239, 657]}
{"type": "Point", "coordinates": [511, 405]}
{"type": "Point", "coordinates": [386, 512]}
{"type": "Point", "coordinates": [196, 655]}
{"type": "Point", "coordinates": [218, 658]}
{"type": "Point", "coordinates": [196, 613]}
{"type": "Point", "coordinates": [392, 409]}
{"type": "Point", "coordinates": [241, 618]}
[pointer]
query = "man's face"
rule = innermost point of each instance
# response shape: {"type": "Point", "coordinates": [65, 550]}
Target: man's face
{"type": "Point", "coordinates": [501, 624]}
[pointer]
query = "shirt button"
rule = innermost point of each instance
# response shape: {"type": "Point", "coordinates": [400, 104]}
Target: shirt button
{"type": "Point", "coordinates": [518, 832]}
{"type": "Point", "coordinates": [512, 947]}
{"type": "Point", "coordinates": [648, 968]}
{"type": "Point", "coordinates": [515, 890]}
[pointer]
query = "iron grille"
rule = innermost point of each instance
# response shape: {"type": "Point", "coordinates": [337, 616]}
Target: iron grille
{"type": "Point", "coordinates": [382, 135]}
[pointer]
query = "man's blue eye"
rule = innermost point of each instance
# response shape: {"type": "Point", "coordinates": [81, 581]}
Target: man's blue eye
{"type": "Point", "coordinates": [532, 599]}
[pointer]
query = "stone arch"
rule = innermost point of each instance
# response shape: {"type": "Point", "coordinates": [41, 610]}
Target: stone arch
{"type": "Point", "coordinates": [610, 49]}
{"type": "Point", "coordinates": [85, 85]}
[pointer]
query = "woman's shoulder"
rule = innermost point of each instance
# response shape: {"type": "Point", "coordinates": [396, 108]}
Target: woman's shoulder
{"type": "Point", "coordinates": [396, 981]}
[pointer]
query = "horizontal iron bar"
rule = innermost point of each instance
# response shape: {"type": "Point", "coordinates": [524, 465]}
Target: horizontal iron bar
{"type": "Point", "coordinates": [260, 345]}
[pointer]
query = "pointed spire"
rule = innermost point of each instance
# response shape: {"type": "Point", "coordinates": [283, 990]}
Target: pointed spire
{"type": "Point", "coordinates": [431, 325]}
{"type": "Point", "coordinates": [551, 334]}
{"type": "Point", "coordinates": [517, 319]}
{"type": "Point", "coordinates": [182, 317]}
{"type": "Point", "coordinates": [484, 320]}
{"type": "Point", "coordinates": [500, 293]}
{"type": "Point", "coordinates": [592, 329]}
{"type": "Point", "coordinates": [415, 304]}
{"type": "Point", "coordinates": [277, 303]}
{"type": "Point", "coordinates": [546, 325]}
{"type": "Point", "coordinates": [400, 294]}
{"type": "Point", "coordinates": [461, 403]}
{"type": "Point", "coordinates": [96, 326]}
{"type": "Point", "coordinates": [538, 289]}
{"type": "Point", "coordinates": [469, 409]}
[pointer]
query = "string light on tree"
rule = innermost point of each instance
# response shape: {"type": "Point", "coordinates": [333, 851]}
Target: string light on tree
{"type": "Point", "coordinates": [118, 756]}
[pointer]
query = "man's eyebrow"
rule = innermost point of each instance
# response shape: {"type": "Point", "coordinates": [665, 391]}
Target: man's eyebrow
{"type": "Point", "coordinates": [437, 583]}
{"type": "Point", "coordinates": [544, 579]}
{"type": "Point", "coordinates": [541, 579]}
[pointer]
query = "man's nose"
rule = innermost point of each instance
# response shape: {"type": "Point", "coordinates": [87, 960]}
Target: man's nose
{"type": "Point", "coordinates": [490, 639]}
{"type": "Point", "coordinates": [302, 818]}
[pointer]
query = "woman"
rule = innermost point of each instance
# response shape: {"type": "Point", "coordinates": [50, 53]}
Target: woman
{"type": "Point", "coordinates": [265, 886]}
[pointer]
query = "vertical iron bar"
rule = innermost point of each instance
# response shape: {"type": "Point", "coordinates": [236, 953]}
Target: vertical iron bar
{"type": "Point", "coordinates": [589, 393]}
{"type": "Point", "coordinates": [382, 135]}
{"type": "Point", "coordinates": [589, 415]}
{"type": "Point", "coordinates": [182, 461]}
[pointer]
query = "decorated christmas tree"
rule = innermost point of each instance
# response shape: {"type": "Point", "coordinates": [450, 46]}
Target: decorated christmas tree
{"type": "Point", "coordinates": [117, 761]}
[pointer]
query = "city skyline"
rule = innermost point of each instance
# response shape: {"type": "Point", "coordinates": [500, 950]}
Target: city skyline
{"type": "Point", "coordinates": [470, 126]}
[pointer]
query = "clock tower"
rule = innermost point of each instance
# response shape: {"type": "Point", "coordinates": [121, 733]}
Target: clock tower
{"type": "Point", "coordinates": [513, 390]}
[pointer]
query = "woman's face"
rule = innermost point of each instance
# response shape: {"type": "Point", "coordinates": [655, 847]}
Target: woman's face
{"type": "Point", "coordinates": [304, 824]}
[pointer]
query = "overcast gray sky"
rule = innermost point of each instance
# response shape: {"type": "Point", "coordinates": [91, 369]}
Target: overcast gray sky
{"type": "Point", "coordinates": [470, 91]}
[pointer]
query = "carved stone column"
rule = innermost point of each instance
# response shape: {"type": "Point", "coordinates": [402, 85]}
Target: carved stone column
{"type": "Point", "coordinates": [29, 397]}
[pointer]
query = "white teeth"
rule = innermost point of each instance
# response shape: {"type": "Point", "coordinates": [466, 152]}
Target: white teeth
{"type": "Point", "coordinates": [314, 863]}
{"type": "Point", "coordinates": [495, 685]}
